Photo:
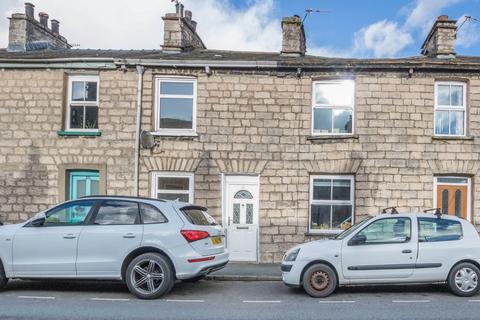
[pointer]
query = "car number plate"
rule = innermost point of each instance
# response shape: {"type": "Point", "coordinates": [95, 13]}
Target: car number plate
{"type": "Point", "coordinates": [216, 240]}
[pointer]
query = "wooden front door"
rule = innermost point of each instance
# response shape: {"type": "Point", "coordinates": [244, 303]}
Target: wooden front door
{"type": "Point", "coordinates": [453, 199]}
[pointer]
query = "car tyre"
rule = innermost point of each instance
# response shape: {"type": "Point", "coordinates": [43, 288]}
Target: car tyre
{"type": "Point", "coordinates": [3, 277]}
{"type": "Point", "coordinates": [464, 279]}
{"type": "Point", "coordinates": [319, 281]}
{"type": "Point", "coordinates": [150, 276]}
{"type": "Point", "coordinates": [193, 280]}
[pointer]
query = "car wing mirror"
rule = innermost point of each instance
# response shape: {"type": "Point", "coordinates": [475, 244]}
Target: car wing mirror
{"type": "Point", "coordinates": [358, 239]}
{"type": "Point", "coordinates": [38, 222]}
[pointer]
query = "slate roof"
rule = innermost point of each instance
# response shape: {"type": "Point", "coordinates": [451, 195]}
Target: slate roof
{"type": "Point", "coordinates": [470, 62]}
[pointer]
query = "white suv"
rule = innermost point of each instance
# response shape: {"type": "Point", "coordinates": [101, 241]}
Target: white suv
{"type": "Point", "coordinates": [387, 249]}
{"type": "Point", "coordinates": [147, 243]}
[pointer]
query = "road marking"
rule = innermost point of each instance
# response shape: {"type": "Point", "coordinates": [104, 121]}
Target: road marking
{"type": "Point", "coordinates": [36, 297]}
{"type": "Point", "coordinates": [473, 300]}
{"type": "Point", "coordinates": [337, 301]}
{"type": "Point", "coordinates": [175, 300]}
{"type": "Point", "coordinates": [108, 299]}
{"type": "Point", "coordinates": [410, 301]}
{"type": "Point", "coordinates": [261, 301]}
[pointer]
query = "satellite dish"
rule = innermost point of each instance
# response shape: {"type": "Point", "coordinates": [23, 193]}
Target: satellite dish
{"type": "Point", "coordinates": [147, 140]}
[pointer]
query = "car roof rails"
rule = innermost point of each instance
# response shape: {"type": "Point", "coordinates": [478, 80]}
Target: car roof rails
{"type": "Point", "coordinates": [124, 197]}
{"type": "Point", "coordinates": [437, 212]}
{"type": "Point", "coordinates": [393, 210]}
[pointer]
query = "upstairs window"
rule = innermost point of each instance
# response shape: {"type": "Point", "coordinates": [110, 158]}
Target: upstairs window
{"type": "Point", "coordinates": [176, 105]}
{"type": "Point", "coordinates": [82, 113]}
{"type": "Point", "coordinates": [333, 105]}
{"type": "Point", "coordinates": [450, 108]}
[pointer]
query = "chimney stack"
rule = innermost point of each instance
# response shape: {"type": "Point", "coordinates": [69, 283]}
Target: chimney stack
{"type": "Point", "coordinates": [293, 37]}
{"type": "Point", "coordinates": [55, 26]}
{"type": "Point", "coordinates": [440, 42]}
{"type": "Point", "coordinates": [28, 34]}
{"type": "Point", "coordinates": [180, 31]}
{"type": "Point", "coordinates": [29, 10]}
{"type": "Point", "coordinates": [43, 18]}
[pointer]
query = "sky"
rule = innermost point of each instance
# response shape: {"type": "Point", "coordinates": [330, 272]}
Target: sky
{"type": "Point", "coordinates": [346, 28]}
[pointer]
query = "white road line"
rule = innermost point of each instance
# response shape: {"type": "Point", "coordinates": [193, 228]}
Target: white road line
{"type": "Point", "coordinates": [410, 301]}
{"type": "Point", "coordinates": [473, 300]}
{"type": "Point", "coordinates": [36, 297]}
{"type": "Point", "coordinates": [337, 301]}
{"type": "Point", "coordinates": [108, 299]}
{"type": "Point", "coordinates": [175, 300]}
{"type": "Point", "coordinates": [261, 301]}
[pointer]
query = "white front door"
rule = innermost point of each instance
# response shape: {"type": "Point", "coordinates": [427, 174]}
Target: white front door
{"type": "Point", "coordinates": [241, 195]}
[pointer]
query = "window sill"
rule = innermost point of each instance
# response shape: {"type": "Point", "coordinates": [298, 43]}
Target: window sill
{"type": "Point", "coordinates": [467, 138]}
{"type": "Point", "coordinates": [186, 136]}
{"type": "Point", "coordinates": [332, 137]}
{"type": "Point", "coordinates": [62, 133]}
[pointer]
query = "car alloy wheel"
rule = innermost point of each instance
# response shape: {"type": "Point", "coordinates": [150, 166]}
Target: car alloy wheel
{"type": "Point", "coordinates": [150, 276]}
{"type": "Point", "coordinates": [147, 276]}
{"type": "Point", "coordinates": [466, 280]}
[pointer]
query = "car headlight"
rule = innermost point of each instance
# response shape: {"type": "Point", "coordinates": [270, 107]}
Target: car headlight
{"type": "Point", "coordinates": [291, 255]}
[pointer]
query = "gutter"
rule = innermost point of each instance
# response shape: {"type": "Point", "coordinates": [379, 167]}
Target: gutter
{"type": "Point", "coordinates": [140, 71]}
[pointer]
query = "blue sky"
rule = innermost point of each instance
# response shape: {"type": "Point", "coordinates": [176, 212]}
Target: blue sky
{"type": "Point", "coordinates": [354, 28]}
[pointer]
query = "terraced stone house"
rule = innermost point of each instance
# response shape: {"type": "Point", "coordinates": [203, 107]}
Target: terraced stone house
{"type": "Point", "coordinates": [282, 147]}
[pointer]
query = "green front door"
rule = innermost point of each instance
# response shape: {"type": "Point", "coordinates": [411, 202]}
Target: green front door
{"type": "Point", "coordinates": [83, 183]}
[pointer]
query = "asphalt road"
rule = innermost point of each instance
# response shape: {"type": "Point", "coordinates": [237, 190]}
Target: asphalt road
{"type": "Point", "coordinates": [230, 300]}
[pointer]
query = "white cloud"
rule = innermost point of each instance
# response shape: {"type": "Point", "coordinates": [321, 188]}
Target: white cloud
{"type": "Point", "coordinates": [383, 39]}
{"type": "Point", "coordinates": [126, 24]}
{"type": "Point", "coordinates": [424, 13]}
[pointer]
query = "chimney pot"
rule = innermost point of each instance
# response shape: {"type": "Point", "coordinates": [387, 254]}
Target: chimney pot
{"type": "Point", "coordinates": [442, 17]}
{"type": "Point", "coordinates": [29, 10]}
{"type": "Point", "coordinates": [55, 24]}
{"type": "Point", "coordinates": [188, 14]}
{"type": "Point", "coordinates": [43, 17]}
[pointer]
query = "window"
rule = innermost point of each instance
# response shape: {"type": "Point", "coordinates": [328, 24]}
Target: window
{"type": "Point", "coordinates": [390, 230]}
{"type": "Point", "coordinates": [72, 213]}
{"type": "Point", "coordinates": [173, 186]}
{"type": "Point", "coordinates": [83, 183]}
{"type": "Point", "coordinates": [176, 105]}
{"type": "Point", "coordinates": [117, 212]}
{"type": "Point", "coordinates": [452, 196]}
{"type": "Point", "coordinates": [333, 104]}
{"type": "Point", "coordinates": [199, 217]}
{"type": "Point", "coordinates": [434, 229]}
{"type": "Point", "coordinates": [82, 113]}
{"type": "Point", "coordinates": [450, 108]}
{"type": "Point", "coordinates": [331, 203]}
{"type": "Point", "coordinates": [150, 214]}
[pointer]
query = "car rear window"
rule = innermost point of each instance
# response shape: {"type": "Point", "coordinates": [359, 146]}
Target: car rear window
{"type": "Point", "coordinates": [434, 229]}
{"type": "Point", "coordinates": [199, 217]}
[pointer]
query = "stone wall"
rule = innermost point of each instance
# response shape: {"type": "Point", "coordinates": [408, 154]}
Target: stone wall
{"type": "Point", "coordinates": [261, 123]}
{"type": "Point", "coordinates": [32, 104]}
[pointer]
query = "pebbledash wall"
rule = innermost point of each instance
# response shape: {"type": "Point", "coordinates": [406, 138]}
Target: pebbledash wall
{"type": "Point", "coordinates": [254, 120]}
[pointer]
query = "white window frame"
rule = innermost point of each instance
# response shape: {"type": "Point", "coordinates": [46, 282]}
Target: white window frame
{"type": "Point", "coordinates": [171, 174]}
{"type": "Point", "coordinates": [330, 202]}
{"type": "Point", "coordinates": [438, 107]}
{"type": "Point", "coordinates": [70, 103]}
{"type": "Point", "coordinates": [333, 107]}
{"type": "Point", "coordinates": [175, 132]}
{"type": "Point", "coordinates": [469, 191]}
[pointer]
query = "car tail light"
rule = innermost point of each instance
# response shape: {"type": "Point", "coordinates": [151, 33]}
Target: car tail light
{"type": "Point", "coordinates": [194, 235]}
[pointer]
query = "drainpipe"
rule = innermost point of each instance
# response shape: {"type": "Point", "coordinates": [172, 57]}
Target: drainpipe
{"type": "Point", "coordinates": [140, 71]}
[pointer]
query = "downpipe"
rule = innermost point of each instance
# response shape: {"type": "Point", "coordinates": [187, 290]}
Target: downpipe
{"type": "Point", "coordinates": [140, 72]}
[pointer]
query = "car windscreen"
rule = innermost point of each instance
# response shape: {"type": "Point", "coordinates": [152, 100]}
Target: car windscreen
{"type": "Point", "coordinates": [198, 217]}
{"type": "Point", "coordinates": [345, 233]}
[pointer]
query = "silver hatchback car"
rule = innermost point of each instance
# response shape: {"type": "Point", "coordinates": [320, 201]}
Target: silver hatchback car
{"type": "Point", "coordinates": [147, 243]}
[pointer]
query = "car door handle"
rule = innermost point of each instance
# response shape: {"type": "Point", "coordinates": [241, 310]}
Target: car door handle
{"type": "Point", "coordinates": [129, 236]}
{"type": "Point", "coordinates": [407, 251]}
{"type": "Point", "coordinates": [69, 236]}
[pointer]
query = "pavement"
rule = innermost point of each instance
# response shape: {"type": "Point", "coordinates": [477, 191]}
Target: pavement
{"type": "Point", "coordinates": [248, 272]}
{"type": "Point", "coordinates": [233, 300]}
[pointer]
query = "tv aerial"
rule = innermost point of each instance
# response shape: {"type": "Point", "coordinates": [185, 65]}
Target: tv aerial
{"type": "Point", "coordinates": [309, 11]}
